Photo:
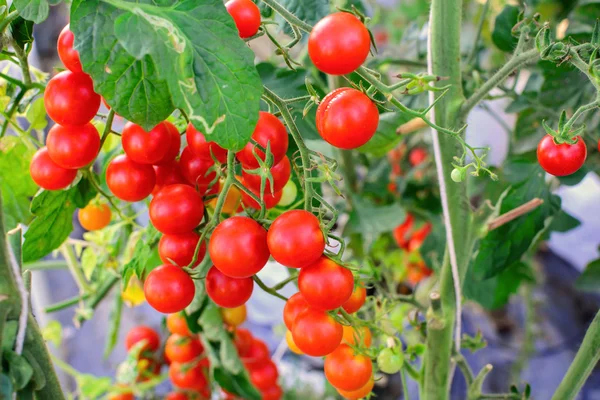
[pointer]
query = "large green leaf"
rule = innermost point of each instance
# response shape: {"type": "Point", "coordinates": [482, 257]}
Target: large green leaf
{"type": "Point", "coordinates": [53, 221]}
{"type": "Point", "coordinates": [146, 242]}
{"type": "Point", "coordinates": [147, 59]}
{"type": "Point", "coordinates": [371, 220]}
{"type": "Point", "coordinates": [589, 280]}
{"type": "Point", "coordinates": [502, 35]}
{"type": "Point", "coordinates": [385, 138]}
{"type": "Point", "coordinates": [19, 370]}
{"type": "Point", "coordinates": [309, 11]}
{"type": "Point", "coordinates": [33, 10]}
{"type": "Point", "coordinates": [21, 30]}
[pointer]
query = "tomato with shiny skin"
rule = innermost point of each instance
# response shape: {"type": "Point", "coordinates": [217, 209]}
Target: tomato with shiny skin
{"type": "Point", "coordinates": [145, 147]}
{"type": "Point", "coordinates": [94, 216]}
{"type": "Point", "coordinates": [295, 239]}
{"type": "Point", "coordinates": [257, 354]}
{"type": "Point", "coordinates": [201, 147]}
{"type": "Point", "coordinates": [70, 99]}
{"type": "Point", "coordinates": [142, 333]}
{"type": "Point", "coordinates": [417, 156]}
{"type": "Point", "coordinates": [182, 349]}
{"type": "Point", "coordinates": [188, 376]}
{"type": "Point", "coordinates": [280, 172]}
{"type": "Point", "coordinates": [174, 144]}
{"type": "Point", "coordinates": [177, 324]}
{"type": "Point", "coordinates": [196, 169]}
{"type": "Point", "coordinates": [339, 43]}
{"type": "Point", "coordinates": [238, 247]}
{"type": "Point", "coordinates": [357, 336]}
{"type": "Point", "coordinates": [176, 209]}
{"type": "Point", "coordinates": [272, 393]}
{"type": "Point", "coordinates": [128, 180]}
{"type": "Point", "coordinates": [228, 292]}
{"type": "Point", "coordinates": [294, 306]}
{"type": "Point", "coordinates": [316, 333]}
{"type": "Point", "coordinates": [360, 393]}
{"type": "Point", "coordinates": [169, 289]}
{"type": "Point", "coordinates": [291, 344]}
{"type": "Point", "coordinates": [49, 175]}
{"type": "Point", "coordinates": [356, 300]}
{"type": "Point", "coordinates": [67, 54]}
{"type": "Point", "coordinates": [243, 339]}
{"type": "Point", "coordinates": [73, 147]}
{"type": "Point", "coordinates": [270, 200]}
{"type": "Point", "coordinates": [167, 173]}
{"type": "Point", "coordinates": [246, 16]}
{"type": "Point", "coordinates": [325, 284]}
{"type": "Point", "coordinates": [401, 231]}
{"type": "Point", "coordinates": [347, 118]}
{"type": "Point", "coordinates": [180, 249]}
{"type": "Point", "coordinates": [234, 316]}
{"type": "Point", "coordinates": [561, 159]}
{"type": "Point", "coordinates": [347, 370]}
{"type": "Point", "coordinates": [264, 376]}
{"type": "Point", "coordinates": [269, 130]}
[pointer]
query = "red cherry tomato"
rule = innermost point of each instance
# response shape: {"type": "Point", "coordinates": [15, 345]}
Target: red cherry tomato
{"type": "Point", "coordinates": [325, 284]}
{"type": "Point", "coordinates": [347, 370]}
{"type": "Point", "coordinates": [67, 54]}
{"type": "Point", "coordinates": [177, 324]}
{"type": "Point", "coordinates": [143, 333]}
{"type": "Point", "coordinates": [257, 355]}
{"type": "Point", "coordinates": [264, 376]}
{"type": "Point", "coordinates": [167, 173]}
{"type": "Point", "coordinates": [238, 247]}
{"type": "Point", "coordinates": [174, 146]}
{"type": "Point", "coordinates": [281, 175]}
{"type": "Point", "coordinates": [356, 300]}
{"type": "Point", "coordinates": [269, 129]}
{"type": "Point", "coordinates": [360, 393]}
{"type": "Point", "coordinates": [177, 396]}
{"type": "Point", "coordinates": [49, 175]}
{"type": "Point", "coordinates": [270, 200]}
{"type": "Point", "coordinates": [94, 216]}
{"type": "Point", "coordinates": [188, 376]}
{"type": "Point", "coordinates": [182, 349]}
{"type": "Point", "coordinates": [272, 393]}
{"type": "Point", "coordinates": [195, 169]}
{"type": "Point", "coordinates": [347, 118]}
{"type": "Point", "coordinates": [417, 156]}
{"type": "Point", "coordinates": [70, 99]}
{"type": "Point", "coordinates": [200, 147]}
{"type": "Point", "coordinates": [73, 147]}
{"type": "Point", "coordinates": [561, 159]}
{"type": "Point", "coordinates": [176, 209]}
{"type": "Point", "coordinates": [169, 289]}
{"type": "Point", "coordinates": [246, 16]}
{"type": "Point", "coordinates": [294, 306]}
{"type": "Point", "coordinates": [316, 333]}
{"type": "Point", "coordinates": [128, 180]}
{"type": "Point", "coordinates": [419, 237]}
{"type": "Point", "coordinates": [401, 231]}
{"type": "Point", "coordinates": [228, 292]}
{"type": "Point", "coordinates": [339, 43]}
{"type": "Point", "coordinates": [295, 239]}
{"type": "Point", "coordinates": [145, 147]}
{"type": "Point", "coordinates": [243, 341]}
{"type": "Point", "coordinates": [180, 249]}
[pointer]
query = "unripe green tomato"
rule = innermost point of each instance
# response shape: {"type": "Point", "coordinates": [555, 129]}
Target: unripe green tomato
{"type": "Point", "coordinates": [290, 191]}
{"type": "Point", "coordinates": [457, 175]}
{"type": "Point", "coordinates": [390, 361]}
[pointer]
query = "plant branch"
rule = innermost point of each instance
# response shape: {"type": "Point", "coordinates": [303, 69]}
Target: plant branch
{"type": "Point", "coordinates": [107, 127]}
{"type": "Point", "coordinates": [98, 296]}
{"type": "Point", "coordinates": [288, 16]}
{"type": "Point", "coordinates": [75, 268]}
{"type": "Point", "coordinates": [514, 214]}
{"type": "Point", "coordinates": [411, 126]}
{"type": "Point", "coordinates": [267, 289]}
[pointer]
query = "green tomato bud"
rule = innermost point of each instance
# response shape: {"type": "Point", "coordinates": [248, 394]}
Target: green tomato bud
{"type": "Point", "coordinates": [390, 361]}
{"type": "Point", "coordinates": [457, 175]}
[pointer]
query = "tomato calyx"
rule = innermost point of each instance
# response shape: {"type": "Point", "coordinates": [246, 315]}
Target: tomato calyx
{"type": "Point", "coordinates": [564, 134]}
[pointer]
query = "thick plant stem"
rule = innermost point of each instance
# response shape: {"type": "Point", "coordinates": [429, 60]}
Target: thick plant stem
{"type": "Point", "coordinates": [444, 54]}
{"type": "Point", "coordinates": [584, 363]}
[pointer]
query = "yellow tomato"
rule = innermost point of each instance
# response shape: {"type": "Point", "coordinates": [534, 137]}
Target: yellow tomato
{"type": "Point", "coordinates": [94, 216]}
{"type": "Point", "coordinates": [234, 316]}
{"type": "Point", "coordinates": [232, 201]}
{"type": "Point", "coordinates": [291, 344]}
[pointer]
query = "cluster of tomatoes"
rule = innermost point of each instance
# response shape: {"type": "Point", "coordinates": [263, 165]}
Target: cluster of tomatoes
{"type": "Point", "coordinates": [410, 239]}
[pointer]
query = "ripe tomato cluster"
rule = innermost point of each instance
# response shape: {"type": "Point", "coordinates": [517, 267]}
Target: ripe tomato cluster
{"type": "Point", "coordinates": [410, 239]}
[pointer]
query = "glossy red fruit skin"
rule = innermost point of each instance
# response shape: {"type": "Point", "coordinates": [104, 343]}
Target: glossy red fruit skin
{"type": "Point", "coordinates": [195, 170]}
{"type": "Point", "coordinates": [176, 209]}
{"type": "Point", "coordinates": [281, 174]}
{"type": "Point", "coordinates": [182, 349]}
{"type": "Point", "coordinates": [177, 396]}
{"type": "Point", "coordinates": [142, 332]}
{"type": "Point", "coordinates": [246, 16]}
{"type": "Point", "coordinates": [243, 341]}
{"type": "Point", "coordinates": [70, 99]}
{"type": "Point", "coordinates": [346, 370]}
{"type": "Point", "coordinates": [186, 377]}
{"type": "Point", "coordinates": [339, 43]}
{"type": "Point", "coordinates": [174, 146]}
{"type": "Point", "coordinates": [145, 147]}
{"type": "Point", "coordinates": [257, 355]}
{"type": "Point", "coordinates": [316, 333]}
{"type": "Point", "coordinates": [238, 247]}
{"type": "Point", "coordinates": [128, 180]}
{"type": "Point", "coordinates": [269, 129]}
{"type": "Point", "coordinates": [325, 284]}
{"type": "Point", "coordinates": [49, 175]}
{"type": "Point", "coordinates": [294, 306]}
{"type": "Point", "coordinates": [347, 118]}
{"type": "Point", "coordinates": [200, 147]}
{"type": "Point", "coordinates": [180, 248]}
{"type": "Point", "coordinates": [356, 300]}
{"type": "Point", "coordinates": [228, 292]}
{"type": "Point", "coordinates": [73, 147]}
{"type": "Point", "coordinates": [169, 289]}
{"type": "Point", "coordinates": [167, 173]}
{"type": "Point", "coordinates": [270, 200]}
{"type": "Point", "coordinates": [264, 376]}
{"type": "Point", "coordinates": [561, 159]}
{"type": "Point", "coordinates": [272, 393]}
{"type": "Point", "coordinates": [67, 54]}
{"type": "Point", "coordinates": [295, 239]}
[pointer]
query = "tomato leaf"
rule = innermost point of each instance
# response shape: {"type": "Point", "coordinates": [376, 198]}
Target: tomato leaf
{"type": "Point", "coordinates": [53, 220]}
{"type": "Point", "coordinates": [564, 222]}
{"type": "Point", "coordinates": [6, 387]}
{"type": "Point", "coordinates": [372, 220]}
{"type": "Point", "coordinates": [33, 10]}
{"type": "Point", "coordinates": [385, 138]}
{"type": "Point", "coordinates": [589, 280]}
{"type": "Point", "coordinates": [145, 247]}
{"type": "Point", "coordinates": [21, 30]}
{"type": "Point", "coordinates": [19, 370]}
{"type": "Point", "coordinates": [502, 35]}
{"type": "Point", "coordinates": [309, 11]}
{"type": "Point", "coordinates": [187, 55]}
{"type": "Point", "coordinates": [93, 387]}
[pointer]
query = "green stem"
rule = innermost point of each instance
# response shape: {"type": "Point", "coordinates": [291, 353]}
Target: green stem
{"type": "Point", "coordinates": [22, 56]}
{"type": "Point", "coordinates": [98, 296]}
{"type": "Point", "coordinates": [473, 53]}
{"type": "Point", "coordinates": [11, 16]}
{"type": "Point", "coordinates": [584, 363]}
{"type": "Point", "coordinates": [75, 268]}
{"type": "Point", "coordinates": [288, 16]}
{"type": "Point", "coordinates": [107, 127]}
{"type": "Point", "coordinates": [581, 110]}
{"type": "Point", "coordinates": [45, 265]}
{"type": "Point", "coordinates": [405, 395]}
{"type": "Point", "coordinates": [65, 304]}
{"type": "Point", "coordinates": [267, 289]}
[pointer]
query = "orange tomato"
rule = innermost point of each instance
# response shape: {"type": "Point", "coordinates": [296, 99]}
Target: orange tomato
{"type": "Point", "coordinates": [353, 335]}
{"type": "Point", "coordinates": [360, 393]}
{"type": "Point", "coordinates": [291, 344]}
{"type": "Point", "coordinates": [234, 316]}
{"type": "Point", "coordinates": [94, 216]}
